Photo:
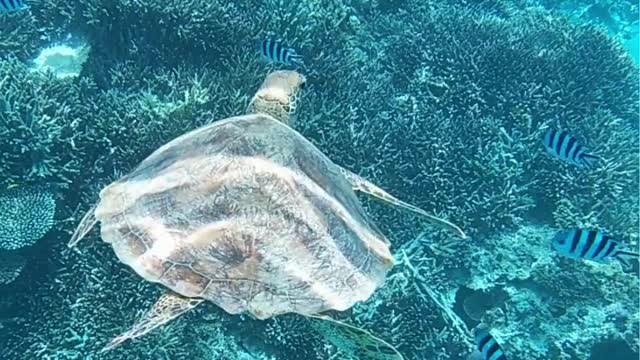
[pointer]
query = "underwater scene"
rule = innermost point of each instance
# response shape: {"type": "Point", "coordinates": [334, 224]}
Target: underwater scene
{"type": "Point", "coordinates": [319, 179]}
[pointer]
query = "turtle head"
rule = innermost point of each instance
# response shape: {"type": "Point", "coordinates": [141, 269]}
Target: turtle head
{"type": "Point", "coordinates": [278, 95]}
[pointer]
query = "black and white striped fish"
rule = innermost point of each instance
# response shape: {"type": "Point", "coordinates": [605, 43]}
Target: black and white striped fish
{"type": "Point", "coordinates": [488, 347]}
{"type": "Point", "coordinates": [275, 51]}
{"type": "Point", "coordinates": [590, 245]}
{"type": "Point", "coordinates": [562, 145]}
{"type": "Point", "coordinates": [12, 5]}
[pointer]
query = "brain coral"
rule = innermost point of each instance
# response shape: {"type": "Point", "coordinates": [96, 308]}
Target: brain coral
{"type": "Point", "coordinates": [27, 215]}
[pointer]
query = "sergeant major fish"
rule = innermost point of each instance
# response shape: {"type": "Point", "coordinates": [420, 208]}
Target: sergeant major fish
{"type": "Point", "coordinates": [590, 245]}
{"type": "Point", "coordinates": [273, 50]}
{"type": "Point", "coordinates": [488, 347]}
{"type": "Point", "coordinates": [12, 5]}
{"type": "Point", "coordinates": [561, 144]}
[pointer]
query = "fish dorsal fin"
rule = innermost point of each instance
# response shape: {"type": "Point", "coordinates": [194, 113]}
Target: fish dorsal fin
{"type": "Point", "coordinates": [353, 340]}
{"type": "Point", "coordinates": [625, 257]}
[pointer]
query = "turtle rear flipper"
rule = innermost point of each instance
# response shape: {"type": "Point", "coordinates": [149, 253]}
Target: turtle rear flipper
{"type": "Point", "coordinates": [86, 224]}
{"type": "Point", "coordinates": [362, 185]}
{"type": "Point", "coordinates": [168, 307]}
{"type": "Point", "coordinates": [355, 341]}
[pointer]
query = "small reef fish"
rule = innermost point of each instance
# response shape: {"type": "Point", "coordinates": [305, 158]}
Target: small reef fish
{"type": "Point", "coordinates": [561, 144]}
{"type": "Point", "coordinates": [488, 347]}
{"type": "Point", "coordinates": [273, 50]}
{"type": "Point", "coordinates": [590, 245]}
{"type": "Point", "coordinates": [12, 5]}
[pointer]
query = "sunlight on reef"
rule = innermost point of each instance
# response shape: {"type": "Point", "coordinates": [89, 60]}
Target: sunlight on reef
{"type": "Point", "coordinates": [62, 60]}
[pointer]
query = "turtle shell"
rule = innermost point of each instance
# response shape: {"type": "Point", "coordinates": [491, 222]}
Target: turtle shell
{"type": "Point", "coordinates": [248, 214]}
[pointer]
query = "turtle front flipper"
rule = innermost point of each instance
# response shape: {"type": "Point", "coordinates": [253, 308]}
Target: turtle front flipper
{"type": "Point", "coordinates": [168, 307]}
{"type": "Point", "coordinates": [352, 340]}
{"type": "Point", "coordinates": [362, 185]}
{"type": "Point", "coordinates": [86, 224]}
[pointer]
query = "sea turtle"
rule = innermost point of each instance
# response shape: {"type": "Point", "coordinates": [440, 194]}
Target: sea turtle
{"type": "Point", "coordinates": [248, 214]}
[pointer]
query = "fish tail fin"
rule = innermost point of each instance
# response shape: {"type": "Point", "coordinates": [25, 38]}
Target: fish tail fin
{"type": "Point", "coordinates": [258, 47]}
{"type": "Point", "coordinates": [296, 59]}
{"type": "Point", "coordinates": [588, 160]}
{"type": "Point", "coordinates": [625, 257]}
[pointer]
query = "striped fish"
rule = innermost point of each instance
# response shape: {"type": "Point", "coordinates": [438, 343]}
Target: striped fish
{"type": "Point", "coordinates": [273, 50]}
{"type": "Point", "coordinates": [488, 347]}
{"type": "Point", "coordinates": [561, 144]}
{"type": "Point", "coordinates": [12, 5]}
{"type": "Point", "coordinates": [590, 245]}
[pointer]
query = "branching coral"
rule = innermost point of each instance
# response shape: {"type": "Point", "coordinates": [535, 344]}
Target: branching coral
{"type": "Point", "coordinates": [496, 93]}
{"type": "Point", "coordinates": [11, 265]}
{"type": "Point", "coordinates": [603, 198]}
{"type": "Point", "coordinates": [576, 304]}
{"type": "Point", "coordinates": [442, 105]}
{"type": "Point", "coordinates": [40, 120]}
{"type": "Point", "coordinates": [462, 78]}
{"type": "Point", "coordinates": [22, 36]}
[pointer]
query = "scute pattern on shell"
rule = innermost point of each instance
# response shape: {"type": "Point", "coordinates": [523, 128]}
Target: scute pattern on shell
{"type": "Point", "coordinates": [249, 215]}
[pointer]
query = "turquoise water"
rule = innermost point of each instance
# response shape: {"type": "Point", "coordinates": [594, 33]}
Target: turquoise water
{"type": "Point", "coordinates": [443, 104]}
{"type": "Point", "coordinates": [633, 46]}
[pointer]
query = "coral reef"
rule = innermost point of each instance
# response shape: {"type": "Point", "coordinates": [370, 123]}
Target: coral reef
{"type": "Point", "coordinates": [27, 215]}
{"type": "Point", "coordinates": [42, 121]}
{"type": "Point", "coordinates": [454, 88]}
{"type": "Point", "coordinates": [11, 265]}
{"type": "Point", "coordinates": [619, 17]}
{"type": "Point", "coordinates": [577, 304]}
{"type": "Point", "coordinates": [23, 35]}
{"type": "Point", "coordinates": [441, 103]}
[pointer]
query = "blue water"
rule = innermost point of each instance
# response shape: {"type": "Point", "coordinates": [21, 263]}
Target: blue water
{"type": "Point", "coordinates": [441, 103]}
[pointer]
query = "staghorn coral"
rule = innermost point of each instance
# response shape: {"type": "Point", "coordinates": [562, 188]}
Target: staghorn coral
{"type": "Point", "coordinates": [63, 131]}
{"type": "Point", "coordinates": [210, 34]}
{"type": "Point", "coordinates": [11, 265]}
{"type": "Point", "coordinates": [576, 304]}
{"type": "Point", "coordinates": [413, 310]}
{"type": "Point", "coordinates": [55, 334]}
{"type": "Point", "coordinates": [603, 198]}
{"type": "Point", "coordinates": [41, 119]}
{"type": "Point", "coordinates": [468, 118]}
{"type": "Point", "coordinates": [22, 34]}
{"type": "Point", "coordinates": [440, 104]}
{"type": "Point", "coordinates": [619, 17]}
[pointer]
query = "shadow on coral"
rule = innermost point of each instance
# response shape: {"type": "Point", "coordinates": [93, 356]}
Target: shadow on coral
{"type": "Point", "coordinates": [613, 349]}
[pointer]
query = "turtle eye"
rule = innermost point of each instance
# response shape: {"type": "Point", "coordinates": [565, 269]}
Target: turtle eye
{"type": "Point", "coordinates": [303, 84]}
